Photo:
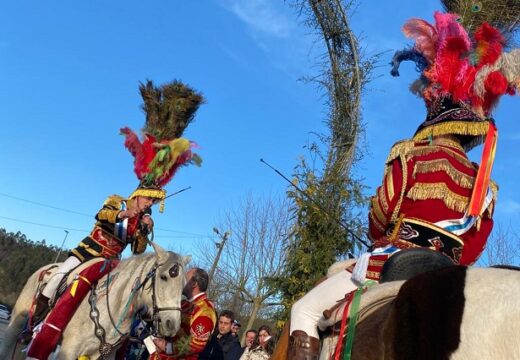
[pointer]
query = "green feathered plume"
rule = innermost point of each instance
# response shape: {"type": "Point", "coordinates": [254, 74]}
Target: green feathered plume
{"type": "Point", "coordinates": [169, 108]}
{"type": "Point", "coordinates": [501, 14]}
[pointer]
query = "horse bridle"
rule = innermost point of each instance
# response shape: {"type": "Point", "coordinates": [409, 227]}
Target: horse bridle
{"type": "Point", "coordinates": [106, 348]}
{"type": "Point", "coordinates": [156, 309]}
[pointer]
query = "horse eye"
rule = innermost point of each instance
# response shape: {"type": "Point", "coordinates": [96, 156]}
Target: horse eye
{"type": "Point", "coordinates": [174, 271]}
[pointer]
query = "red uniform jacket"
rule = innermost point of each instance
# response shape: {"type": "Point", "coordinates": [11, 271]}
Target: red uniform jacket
{"type": "Point", "coordinates": [430, 183]}
{"type": "Point", "coordinates": [110, 235]}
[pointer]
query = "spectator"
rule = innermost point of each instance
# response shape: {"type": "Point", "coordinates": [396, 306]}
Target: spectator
{"type": "Point", "coordinates": [223, 345]}
{"type": "Point", "coordinates": [250, 338]}
{"type": "Point", "coordinates": [235, 328]}
{"type": "Point", "coordinates": [262, 347]}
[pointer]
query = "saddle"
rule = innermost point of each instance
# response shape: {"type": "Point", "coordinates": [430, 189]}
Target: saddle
{"type": "Point", "coordinates": [400, 267]}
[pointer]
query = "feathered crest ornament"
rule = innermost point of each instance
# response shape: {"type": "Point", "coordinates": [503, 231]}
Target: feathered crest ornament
{"type": "Point", "coordinates": [504, 15]}
{"type": "Point", "coordinates": [169, 109]}
{"type": "Point", "coordinates": [464, 72]}
{"type": "Point", "coordinates": [471, 68]}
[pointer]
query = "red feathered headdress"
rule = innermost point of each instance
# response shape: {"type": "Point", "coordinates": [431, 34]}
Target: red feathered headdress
{"type": "Point", "coordinates": [169, 109]}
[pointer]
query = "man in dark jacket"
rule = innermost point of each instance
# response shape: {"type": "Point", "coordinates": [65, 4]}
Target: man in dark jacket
{"type": "Point", "coordinates": [223, 345]}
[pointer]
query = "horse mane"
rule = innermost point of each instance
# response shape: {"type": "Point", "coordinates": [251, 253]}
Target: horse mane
{"type": "Point", "coordinates": [136, 261]}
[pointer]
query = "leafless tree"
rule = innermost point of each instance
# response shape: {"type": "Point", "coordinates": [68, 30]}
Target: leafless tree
{"type": "Point", "coordinates": [503, 248]}
{"type": "Point", "coordinates": [252, 254]}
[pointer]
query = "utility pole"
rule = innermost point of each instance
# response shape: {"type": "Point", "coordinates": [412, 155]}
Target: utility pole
{"type": "Point", "coordinates": [219, 246]}
{"type": "Point", "coordinates": [62, 244]}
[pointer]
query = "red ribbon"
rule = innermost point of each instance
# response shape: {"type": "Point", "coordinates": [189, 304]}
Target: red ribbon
{"type": "Point", "coordinates": [484, 172]}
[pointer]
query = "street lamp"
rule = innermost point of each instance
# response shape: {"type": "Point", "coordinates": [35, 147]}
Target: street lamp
{"type": "Point", "coordinates": [62, 244]}
{"type": "Point", "coordinates": [220, 246]}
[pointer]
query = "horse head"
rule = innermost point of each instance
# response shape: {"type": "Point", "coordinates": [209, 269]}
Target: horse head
{"type": "Point", "coordinates": [167, 285]}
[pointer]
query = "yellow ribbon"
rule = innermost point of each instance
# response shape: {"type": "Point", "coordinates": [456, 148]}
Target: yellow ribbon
{"type": "Point", "coordinates": [75, 284]}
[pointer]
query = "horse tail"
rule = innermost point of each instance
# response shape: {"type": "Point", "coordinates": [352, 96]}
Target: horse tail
{"type": "Point", "coordinates": [19, 316]}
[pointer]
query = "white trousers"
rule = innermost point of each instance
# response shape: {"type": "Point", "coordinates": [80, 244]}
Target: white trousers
{"type": "Point", "coordinates": [306, 312]}
{"type": "Point", "coordinates": [50, 289]}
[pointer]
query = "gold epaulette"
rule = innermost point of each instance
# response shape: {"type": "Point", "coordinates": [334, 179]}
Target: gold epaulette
{"type": "Point", "coordinates": [494, 190]}
{"type": "Point", "coordinates": [400, 148]}
{"type": "Point", "coordinates": [114, 201]}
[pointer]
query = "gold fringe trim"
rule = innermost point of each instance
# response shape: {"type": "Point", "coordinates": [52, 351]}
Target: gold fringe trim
{"type": "Point", "coordinates": [458, 177]}
{"type": "Point", "coordinates": [439, 191]}
{"type": "Point", "coordinates": [426, 150]}
{"type": "Point", "coordinates": [373, 275]}
{"type": "Point", "coordinates": [151, 193]}
{"type": "Point", "coordinates": [400, 148]}
{"type": "Point", "coordinates": [404, 176]}
{"type": "Point", "coordinates": [382, 198]}
{"type": "Point", "coordinates": [450, 143]}
{"type": "Point", "coordinates": [472, 128]}
{"type": "Point", "coordinates": [376, 262]}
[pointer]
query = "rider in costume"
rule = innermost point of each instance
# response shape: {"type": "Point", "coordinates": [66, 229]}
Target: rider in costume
{"type": "Point", "coordinates": [122, 222]}
{"type": "Point", "coordinates": [431, 195]}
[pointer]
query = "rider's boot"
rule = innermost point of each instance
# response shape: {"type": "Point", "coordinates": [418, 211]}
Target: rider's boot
{"type": "Point", "coordinates": [303, 346]}
{"type": "Point", "coordinates": [41, 308]}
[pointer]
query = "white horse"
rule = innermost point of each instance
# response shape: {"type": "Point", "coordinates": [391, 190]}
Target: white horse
{"type": "Point", "coordinates": [96, 328]}
{"type": "Point", "coordinates": [456, 313]}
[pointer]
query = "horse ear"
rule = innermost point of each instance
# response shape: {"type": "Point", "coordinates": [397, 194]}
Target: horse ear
{"type": "Point", "coordinates": [159, 251]}
{"type": "Point", "coordinates": [186, 259]}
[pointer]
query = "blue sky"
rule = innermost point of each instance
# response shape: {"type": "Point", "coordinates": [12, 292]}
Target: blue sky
{"type": "Point", "coordinates": [69, 78]}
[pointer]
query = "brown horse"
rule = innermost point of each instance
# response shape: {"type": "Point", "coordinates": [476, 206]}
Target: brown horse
{"type": "Point", "coordinates": [456, 313]}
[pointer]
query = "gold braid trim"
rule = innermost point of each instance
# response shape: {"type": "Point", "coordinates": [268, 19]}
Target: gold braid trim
{"type": "Point", "coordinates": [426, 150]}
{"type": "Point", "coordinates": [471, 128]}
{"type": "Point", "coordinates": [439, 191]}
{"type": "Point", "coordinates": [382, 198]}
{"type": "Point", "coordinates": [461, 179]}
{"type": "Point", "coordinates": [376, 222]}
{"type": "Point", "coordinates": [397, 228]}
{"type": "Point", "coordinates": [151, 193]}
{"type": "Point", "coordinates": [390, 185]}
{"type": "Point", "coordinates": [404, 177]}
{"type": "Point", "coordinates": [376, 209]}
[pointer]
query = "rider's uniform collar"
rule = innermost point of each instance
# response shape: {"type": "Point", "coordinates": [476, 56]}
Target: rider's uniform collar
{"type": "Point", "coordinates": [197, 296]}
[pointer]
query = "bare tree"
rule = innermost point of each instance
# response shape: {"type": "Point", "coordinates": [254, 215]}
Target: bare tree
{"type": "Point", "coordinates": [503, 248]}
{"type": "Point", "coordinates": [252, 254]}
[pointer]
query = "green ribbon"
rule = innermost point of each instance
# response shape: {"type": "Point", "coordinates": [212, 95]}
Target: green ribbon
{"type": "Point", "coordinates": [354, 314]}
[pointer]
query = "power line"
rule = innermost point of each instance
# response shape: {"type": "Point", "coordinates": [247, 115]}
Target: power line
{"type": "Point", "coordinates": [77, 213]}
{"type": "Point", "coordinates": [45, 205]}
{"type": "Point", "coordinates": [44, 225]}
{"type": "Point", "coordinates": [188, 236]}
